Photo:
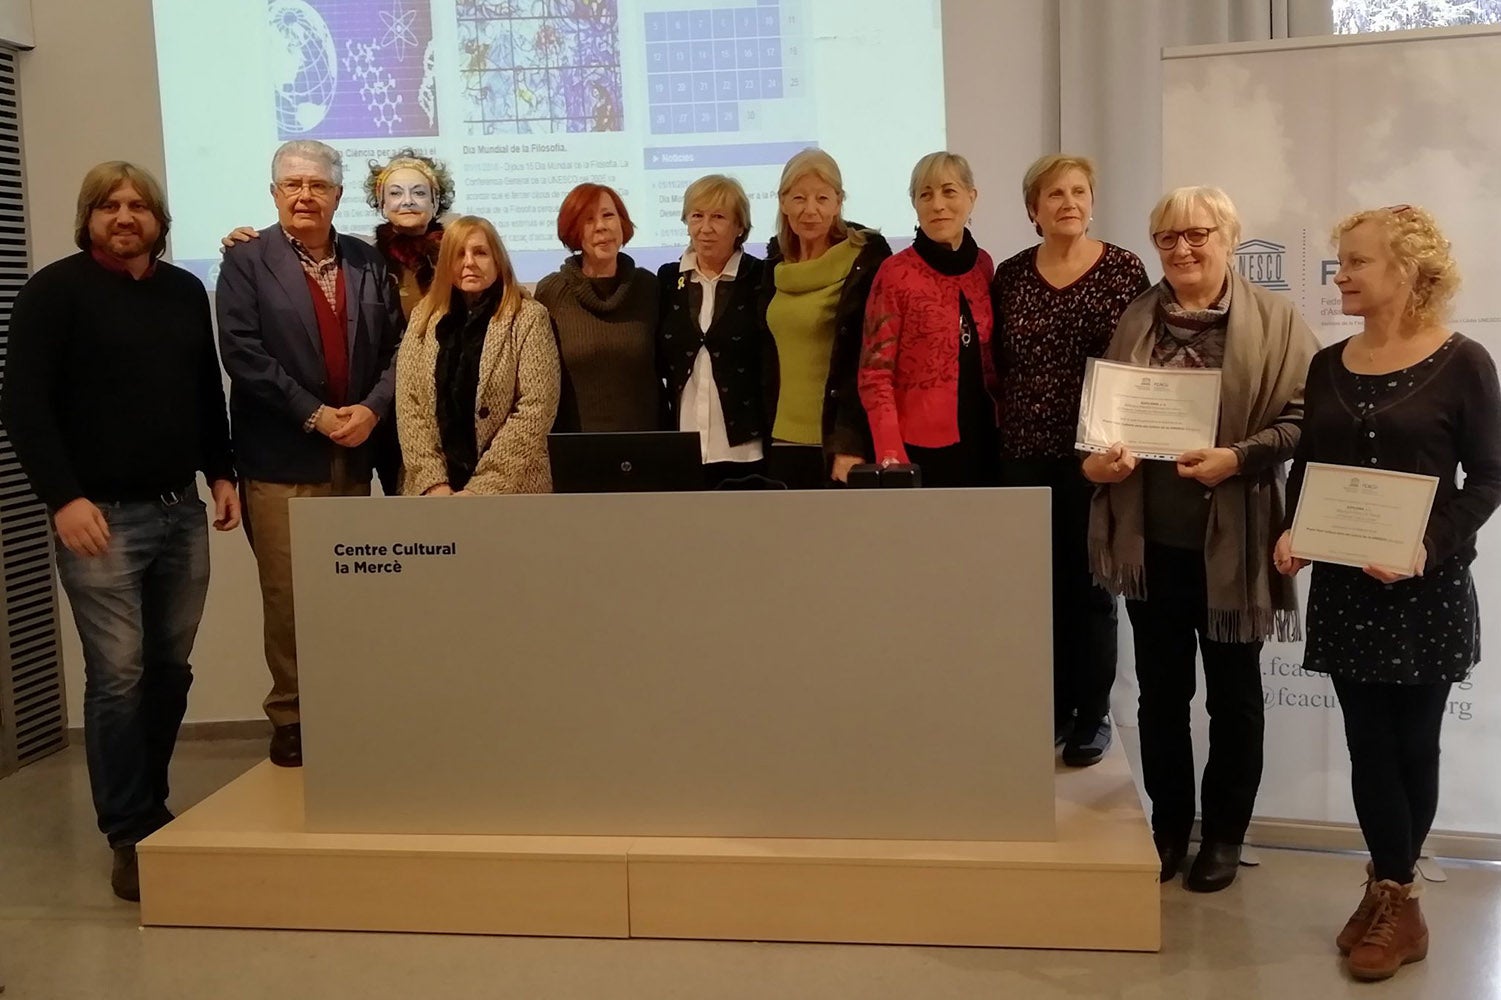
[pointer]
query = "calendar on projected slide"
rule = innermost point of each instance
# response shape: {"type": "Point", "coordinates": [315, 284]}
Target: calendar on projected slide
{"type": "Point", "coordinates": [726, 67]}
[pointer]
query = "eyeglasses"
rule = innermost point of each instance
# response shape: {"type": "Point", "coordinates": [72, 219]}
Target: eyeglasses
{"type": "Point", "coordinates": [292, 188]}
{"type": "Point", "coordinates": [1167, 239]}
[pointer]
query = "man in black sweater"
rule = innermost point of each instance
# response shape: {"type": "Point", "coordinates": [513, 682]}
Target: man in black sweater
{"type": "Point", "coordinates": [114, 403]}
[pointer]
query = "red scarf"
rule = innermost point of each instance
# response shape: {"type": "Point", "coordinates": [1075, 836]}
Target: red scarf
{"type": "Point", "coordinates": [408, 254]}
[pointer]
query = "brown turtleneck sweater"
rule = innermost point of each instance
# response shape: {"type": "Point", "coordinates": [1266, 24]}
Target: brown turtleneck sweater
{"type": "Point", "coordinates": [607, 331]}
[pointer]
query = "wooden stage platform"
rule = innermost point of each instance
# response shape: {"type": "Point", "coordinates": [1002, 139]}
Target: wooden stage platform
{"type": "Point", "coordinates": [242, 858]}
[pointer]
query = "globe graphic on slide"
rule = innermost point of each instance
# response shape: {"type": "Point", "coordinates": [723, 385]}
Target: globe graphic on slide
{"type": "Point", "coordinates": [304, 65]}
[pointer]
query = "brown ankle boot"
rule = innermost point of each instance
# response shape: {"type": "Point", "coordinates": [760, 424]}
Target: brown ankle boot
{"type": "Point", "coordinates": [1360, 920]}
{"type": "Point", "coordinates": [1397, 934]}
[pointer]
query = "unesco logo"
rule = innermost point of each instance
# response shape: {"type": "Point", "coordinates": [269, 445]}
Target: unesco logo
{"type": "Point", "coordinates": [1260, 263]}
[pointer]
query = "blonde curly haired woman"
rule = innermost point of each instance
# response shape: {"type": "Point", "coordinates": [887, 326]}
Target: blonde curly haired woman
{"type": "Point", "coordinates": [1408, 395]}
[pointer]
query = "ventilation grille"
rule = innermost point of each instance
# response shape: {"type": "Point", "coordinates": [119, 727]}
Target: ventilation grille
{"type": "Point", "coordinates": [33, 713]}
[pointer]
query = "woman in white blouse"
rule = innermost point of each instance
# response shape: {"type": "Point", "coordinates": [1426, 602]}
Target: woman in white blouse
{"type": "Point", "coordinates": [708, 340]}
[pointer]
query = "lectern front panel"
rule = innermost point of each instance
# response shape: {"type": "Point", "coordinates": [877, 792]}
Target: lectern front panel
{"type": "Point", "coordinates": [847, 664]}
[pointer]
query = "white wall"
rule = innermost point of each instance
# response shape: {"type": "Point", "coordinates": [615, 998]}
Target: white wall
{"type": "Point", "coordinates": [1001, 82]}
{"type": "Point", "coordinates": [1001, 88]}
{"type": "Point", "coordinates": [15, 23]}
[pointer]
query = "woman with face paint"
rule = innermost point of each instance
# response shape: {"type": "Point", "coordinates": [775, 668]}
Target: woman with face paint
{"type": "Point", "coordinates": [412, 193]}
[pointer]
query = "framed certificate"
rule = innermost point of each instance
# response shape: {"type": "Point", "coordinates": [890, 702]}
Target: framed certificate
{"type": "Point", "coordinates": [1362, 517]}
{"type": "Point", "coordinates": [1158, 413]}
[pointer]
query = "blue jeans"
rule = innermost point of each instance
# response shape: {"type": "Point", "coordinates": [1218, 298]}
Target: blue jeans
{"type": "Point", "coordinates": [137, 608]}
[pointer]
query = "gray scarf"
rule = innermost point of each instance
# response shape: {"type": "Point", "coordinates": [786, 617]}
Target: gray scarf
{"type": "Point", "coordinates": [1267, 351]}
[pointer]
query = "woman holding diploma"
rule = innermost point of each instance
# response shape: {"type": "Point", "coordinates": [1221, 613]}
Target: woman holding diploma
{"type": "Point", "coordinates": [1189, 543]}
{"type": "Point", "coordinates": [1406, 395]}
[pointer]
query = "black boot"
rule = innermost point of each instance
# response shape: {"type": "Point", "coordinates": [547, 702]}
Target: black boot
{"type": "Point", "coordinates": [286, 745]}
{"type": "Point", "coordinates": [1172, 852]}
{"type": "Point", "coordinates": [125, 874]}
{"type": "Point", "coordinates": [1215, 867]}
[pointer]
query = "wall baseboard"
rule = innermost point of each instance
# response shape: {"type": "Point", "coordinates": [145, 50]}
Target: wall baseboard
{"type": "Point", "coordinates": [230, 729]}
{"type": "Point", "coordinates": [1307, 835]}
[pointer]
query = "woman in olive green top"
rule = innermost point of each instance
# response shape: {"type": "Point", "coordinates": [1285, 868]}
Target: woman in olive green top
{"type": "Point", "coordinates": [819, 270]}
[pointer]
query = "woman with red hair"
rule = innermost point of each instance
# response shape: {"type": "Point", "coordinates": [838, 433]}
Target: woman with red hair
{"type": "Point", "coordinates": [604, 313]}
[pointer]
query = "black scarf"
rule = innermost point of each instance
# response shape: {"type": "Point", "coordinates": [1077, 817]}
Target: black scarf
{"type": "Point", "coordinates": [945, 259]}
{"type": "Point", "coordinates": [461, 342]}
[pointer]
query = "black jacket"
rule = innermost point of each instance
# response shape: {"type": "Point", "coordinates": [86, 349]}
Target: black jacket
{"type": "Point", "coordinates": [733, 339]}
{"type": "Point", "coordinates": [846, 429]}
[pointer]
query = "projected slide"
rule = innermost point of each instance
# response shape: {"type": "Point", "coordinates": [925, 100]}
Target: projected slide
{"type": "Point", "coordinates": [526, 98]}
{"type": "Point", "coordinates": [551, 68]}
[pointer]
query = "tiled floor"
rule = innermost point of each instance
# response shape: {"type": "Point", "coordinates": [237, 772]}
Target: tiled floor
{"type": "Point", "coordinates": [64, 936]}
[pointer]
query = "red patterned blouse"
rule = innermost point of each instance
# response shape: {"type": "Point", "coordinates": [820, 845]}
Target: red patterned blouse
{"type": "Point", "coordinates": [909, 370]}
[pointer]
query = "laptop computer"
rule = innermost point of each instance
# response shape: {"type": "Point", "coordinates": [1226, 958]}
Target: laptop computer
{"type": "Point", "coordinates": [625, 462]}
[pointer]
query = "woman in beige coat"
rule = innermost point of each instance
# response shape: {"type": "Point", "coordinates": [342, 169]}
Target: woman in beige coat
{"type": "Point", "coordinates": [476, 376]}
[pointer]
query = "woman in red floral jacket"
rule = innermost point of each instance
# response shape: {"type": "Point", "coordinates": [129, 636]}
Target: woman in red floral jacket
{"type": "Point", "coordinates": [926, 372]}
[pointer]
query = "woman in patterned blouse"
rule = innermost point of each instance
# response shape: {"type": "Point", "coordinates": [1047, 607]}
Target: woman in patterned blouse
{"type": "Point", "coordinates": [1057, 304]}
{"type": "Point", "coordinates": [1405, 394]}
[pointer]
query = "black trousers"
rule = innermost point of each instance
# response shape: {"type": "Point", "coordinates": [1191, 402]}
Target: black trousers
{"type": "Point", "coordinates": [1166, 627]}
{"type": "Point", "coordinates": [1392, 731]}
{"type": "Point", "coordinates": [1084, 615]}
{"type": "Point", "coordinates": [385, 449]}
{"type": "Point", "coordinates": [955, 466]}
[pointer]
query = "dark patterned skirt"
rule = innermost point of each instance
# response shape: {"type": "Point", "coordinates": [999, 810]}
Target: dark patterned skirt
{"type": "Point", "coordinates": [1423, 630]}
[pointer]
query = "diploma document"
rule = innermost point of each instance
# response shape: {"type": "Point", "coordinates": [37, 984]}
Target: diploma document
{"type": "Point", "coordinates": [1362, 517]}
{"type": "Point", "coordinates": [1156, 412]}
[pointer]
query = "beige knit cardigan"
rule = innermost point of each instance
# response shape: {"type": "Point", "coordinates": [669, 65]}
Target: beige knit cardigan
{"type": "Point", "coordinates": [514, 407]}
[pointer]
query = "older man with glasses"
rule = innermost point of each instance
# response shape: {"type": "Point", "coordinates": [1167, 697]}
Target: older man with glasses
{"type": "Point", "coordinates": [308, 329]}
